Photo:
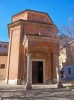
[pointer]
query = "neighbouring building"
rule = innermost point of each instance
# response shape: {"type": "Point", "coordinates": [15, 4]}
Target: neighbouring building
{"type": "Point", "coordinates": [66, 60]}
{"type": "Point", "coordinates": [33, 49]}
{"type": "Point", "coordinates": [3, 59]}
{"type": "Point", "coordinates": [63, 40]}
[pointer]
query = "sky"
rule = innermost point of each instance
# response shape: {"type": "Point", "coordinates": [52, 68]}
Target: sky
{"type": "Point", "coordinates": [60, 12]}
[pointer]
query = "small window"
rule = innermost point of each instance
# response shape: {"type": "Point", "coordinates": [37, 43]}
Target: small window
{"type": "Point", "coordinates": [2, 66]}
{"type": "Point", "coordinates": [69, 70]}
{"type": "Point", "coordinates": [5, 46]}
{"type": "Point", "coordinates": [62, 74]}
{"type": "Point", "coordinates": [0, 46]}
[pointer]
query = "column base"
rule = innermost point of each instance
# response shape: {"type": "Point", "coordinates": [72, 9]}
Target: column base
{"type": "Point", "coordinates": [59, 85]}
{"type": "Point", "coordinates": [28, 86]}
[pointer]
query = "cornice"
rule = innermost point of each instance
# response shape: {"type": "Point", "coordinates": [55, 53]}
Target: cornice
{"type": "Point", "coordinates": [15, 23]}
{"type": "Point", "coordinates": [25, 22]}
{"type": "Point", "coordinates": [20, 22]}
{"type": "Point", "coordinates": [42, 37]}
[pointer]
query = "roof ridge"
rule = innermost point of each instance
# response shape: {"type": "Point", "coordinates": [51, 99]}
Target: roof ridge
{"type": "Point", "coordinates": [31, 11]}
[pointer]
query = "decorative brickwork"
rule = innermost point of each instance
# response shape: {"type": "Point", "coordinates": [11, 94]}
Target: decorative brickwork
{"type": "Point", "coordinates": [32, 33]}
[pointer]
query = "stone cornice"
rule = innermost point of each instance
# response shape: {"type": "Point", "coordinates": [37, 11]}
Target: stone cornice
{"type": "Point", "coordinates": [15, 23]}
{"type": "Point", "coordinates": [20, 22]}
{"type": "Point", "coordinates": [27, 22]}
{"type": "Point", "coordinates": [43, 38]}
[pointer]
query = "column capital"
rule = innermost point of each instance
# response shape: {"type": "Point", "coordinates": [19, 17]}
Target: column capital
{"type": "Point", "coordinates": [28, 54]}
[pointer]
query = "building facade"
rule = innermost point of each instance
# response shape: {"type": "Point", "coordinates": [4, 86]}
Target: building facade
{"type": "Point", "coordinates": [66, 60]}
{"type": "Point", "coordinates": [3, 59]}
{"type": "Point", "coordinates": [33, 48]}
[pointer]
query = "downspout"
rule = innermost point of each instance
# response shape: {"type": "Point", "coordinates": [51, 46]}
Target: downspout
{"type": "Point", "coordinates": [51, 67]}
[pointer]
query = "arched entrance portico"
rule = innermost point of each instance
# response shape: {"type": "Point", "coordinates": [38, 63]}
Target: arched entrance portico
{"type": "Point", "coordinates": [44, 53]}
{"type": "Point", "coordinates": [39, 62]}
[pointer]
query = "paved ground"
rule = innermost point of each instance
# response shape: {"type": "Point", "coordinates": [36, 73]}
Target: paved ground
{"type": "Point", "coordinates": [39, 92]}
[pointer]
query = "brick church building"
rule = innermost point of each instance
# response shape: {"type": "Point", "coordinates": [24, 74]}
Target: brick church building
{"type": "Point", "coordinates": [33, 49]}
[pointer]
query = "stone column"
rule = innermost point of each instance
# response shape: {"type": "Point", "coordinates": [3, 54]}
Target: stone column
{"type": "Point", "coordinates": [59, 84]}
{"type": "Point", "coordinates": [28, 84]}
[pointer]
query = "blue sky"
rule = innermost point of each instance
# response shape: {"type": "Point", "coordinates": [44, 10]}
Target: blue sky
{"type": "Point", "coordinates": [59, 10]}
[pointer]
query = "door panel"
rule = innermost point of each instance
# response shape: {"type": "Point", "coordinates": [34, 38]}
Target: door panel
{"type": "Point", "coordinates": [37, 72]}
{"type": "Point", "coordinates": [34, 72]}
{"type": "Point", "coordinates": [40, 72]}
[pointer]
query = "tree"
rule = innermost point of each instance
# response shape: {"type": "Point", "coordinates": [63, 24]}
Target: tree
{"type": "Point", "coordinates": [66, 39]}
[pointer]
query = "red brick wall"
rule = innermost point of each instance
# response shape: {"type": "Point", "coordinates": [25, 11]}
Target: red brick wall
{"type": "Point", "coordinates": [3, 60]}
{"type": "Point", "coordinates": [39, 17]}
{"type": "Point", "coordinates": [43, 29]}
{"type": "Point", "coordinates": [13, 64]}
{"type": "Point", "coordinates": [32, 16]}
{"type": "Point", "coordinates": [20, 16]}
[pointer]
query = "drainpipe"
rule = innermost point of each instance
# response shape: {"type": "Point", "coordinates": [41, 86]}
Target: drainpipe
{"type": "Point", "coordinates": [52, 67]}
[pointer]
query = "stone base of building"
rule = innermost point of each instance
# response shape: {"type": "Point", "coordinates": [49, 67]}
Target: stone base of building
{"type": "Point", "coordinates": [23, 82]}
{"type": "Point", "coordinates": [13, 82]}
{"type": "Point", "coordinates": [54, 80]}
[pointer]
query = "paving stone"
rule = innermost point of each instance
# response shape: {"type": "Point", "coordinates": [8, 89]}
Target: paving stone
{"type": "Point", "coordinates": [37, 93]}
